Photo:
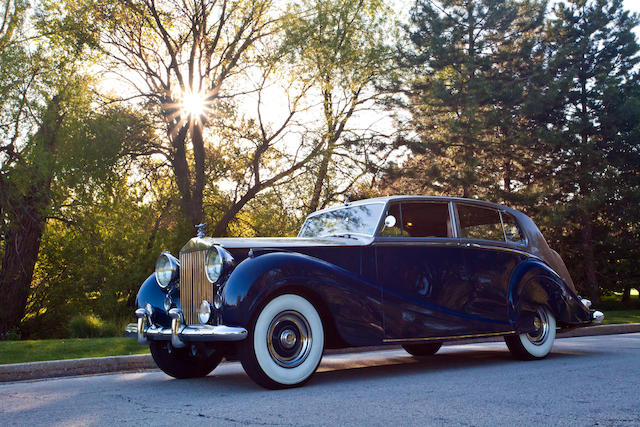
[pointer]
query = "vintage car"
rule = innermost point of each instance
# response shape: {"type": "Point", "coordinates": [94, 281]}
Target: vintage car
{"type": "Point", "coordinates": [414, 271]}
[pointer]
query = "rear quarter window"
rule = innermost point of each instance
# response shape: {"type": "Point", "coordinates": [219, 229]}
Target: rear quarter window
{"type": "Point", "coordinates": [512, 230]}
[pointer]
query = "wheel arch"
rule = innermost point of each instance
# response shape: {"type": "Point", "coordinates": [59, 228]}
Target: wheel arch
{"type": "Point", "coordinates": [332, 337]}
{"type": "Point", "coordinates": [533, 285]}
{"type": "Point", "coordinates": [345, 303]}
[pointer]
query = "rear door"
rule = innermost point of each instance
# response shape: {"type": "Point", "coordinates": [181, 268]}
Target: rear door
{"type": "Point", "coordinates": [489, 240]}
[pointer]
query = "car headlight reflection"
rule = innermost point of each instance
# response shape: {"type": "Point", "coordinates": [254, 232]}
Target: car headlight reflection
{"type": "Point", "coordinates": [167, 268]}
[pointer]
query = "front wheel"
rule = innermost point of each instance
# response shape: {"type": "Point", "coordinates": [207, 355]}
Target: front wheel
{"type": "Point", "coordinates": [182, 362]}
{"type": "Point", "coordinates": [285, 345]}
{"type": "Point", "coordinates": [536, 344]}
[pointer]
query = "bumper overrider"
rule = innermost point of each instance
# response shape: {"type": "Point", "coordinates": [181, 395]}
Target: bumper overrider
{"type": "Point", "coordinates": [180, 334]}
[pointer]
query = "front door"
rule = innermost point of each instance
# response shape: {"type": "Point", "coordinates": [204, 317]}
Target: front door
{"type": "Point", "coordinates": [428, 286]}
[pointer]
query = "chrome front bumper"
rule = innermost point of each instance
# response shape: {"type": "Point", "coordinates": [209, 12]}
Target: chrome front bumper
{"type": "Point", "coordinates": [180, 334]}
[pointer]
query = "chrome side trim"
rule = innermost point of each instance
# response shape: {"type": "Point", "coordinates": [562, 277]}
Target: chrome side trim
{"type": "Point", "coordinates": [441, 241]}
{"type": "Point", "coordinates": [450, 337]}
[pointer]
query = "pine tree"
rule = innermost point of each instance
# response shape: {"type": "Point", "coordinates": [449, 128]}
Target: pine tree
{"type": "Point", "coordinates": [475, 68]}
{"type": "Point", "coordinates": [594, 54]}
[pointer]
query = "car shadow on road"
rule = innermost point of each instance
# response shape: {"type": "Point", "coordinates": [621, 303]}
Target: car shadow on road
{"type": "Point", "coordinates": [409, 365]}
{"type": "Point", "coordinates": [357, 367]}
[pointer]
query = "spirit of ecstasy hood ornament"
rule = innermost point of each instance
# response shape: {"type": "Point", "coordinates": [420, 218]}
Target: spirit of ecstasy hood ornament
{"type": "Point", "coordinates": [201, 228]}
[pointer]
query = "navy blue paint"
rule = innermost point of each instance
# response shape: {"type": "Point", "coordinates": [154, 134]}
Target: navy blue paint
{"type": "Point", "coordinates": [151, 293]}
{"type": "Point", "coordinates": [354, 303]}
{"type": "Point", "coordinates": [535, 284]}
{"type": "Point", "coordinates": [430, 291]}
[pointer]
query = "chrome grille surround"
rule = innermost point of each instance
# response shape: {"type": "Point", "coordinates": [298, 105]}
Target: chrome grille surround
{"type": "Point", "coordinates": [194, 286]}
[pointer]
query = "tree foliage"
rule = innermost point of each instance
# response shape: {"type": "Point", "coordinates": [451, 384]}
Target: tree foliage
{"type": "Point", "coordinates": [123, 124]}
{"type": "Point", "coordinates": [535, 109]}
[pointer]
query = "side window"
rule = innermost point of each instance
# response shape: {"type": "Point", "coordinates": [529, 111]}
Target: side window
{"type": "Point", "coordinates": [430, 219]}
{"type": "Point", "coordinates": [395, 230]}
{"type": "Point", "coordinates": [480, 223]}
{"type": "Point", "coordinates": [511, 229]}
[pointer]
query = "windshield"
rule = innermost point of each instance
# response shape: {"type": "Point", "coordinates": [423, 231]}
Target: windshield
{"type": "Point", "coordinates": [361, 219]}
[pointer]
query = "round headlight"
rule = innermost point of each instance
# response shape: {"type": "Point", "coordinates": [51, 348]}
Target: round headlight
{"type": "Point", "coordinates": [204, 313]}
{"type": "Point", "coordinates": [214, 264]}
{"type": "Point", "coordinates": [166, 269]}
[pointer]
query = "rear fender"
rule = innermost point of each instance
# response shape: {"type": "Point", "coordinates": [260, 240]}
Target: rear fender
{"type": "Point", "coordinates": [535, 285]}
{"type": "Point", "coordinates": [353, 304]}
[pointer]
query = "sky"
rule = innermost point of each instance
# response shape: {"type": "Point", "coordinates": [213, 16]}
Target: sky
{"type": "Point", "coordinates": [634, 6]}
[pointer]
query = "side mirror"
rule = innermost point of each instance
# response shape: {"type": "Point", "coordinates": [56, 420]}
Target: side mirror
{"type": "Point", "coordinates": [390, 221]}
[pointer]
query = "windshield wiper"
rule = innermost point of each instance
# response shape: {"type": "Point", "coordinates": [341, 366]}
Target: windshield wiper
{"type": "Point", "coordinates": [345, 235]}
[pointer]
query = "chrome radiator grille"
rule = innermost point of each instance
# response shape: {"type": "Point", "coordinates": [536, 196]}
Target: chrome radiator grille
{"type": "Point", "coordinates": [194, 286]}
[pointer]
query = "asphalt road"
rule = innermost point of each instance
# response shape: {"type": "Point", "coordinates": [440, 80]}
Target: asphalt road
{"type": "Point", "coordinates": [585, 381]}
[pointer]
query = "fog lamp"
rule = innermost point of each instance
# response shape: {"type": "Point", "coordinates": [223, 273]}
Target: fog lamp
{"type": "Point", "coordinates": [204, 313]}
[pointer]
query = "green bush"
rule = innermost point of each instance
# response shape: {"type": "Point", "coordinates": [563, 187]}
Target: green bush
{"type": "Point", "coordinates": [90, 326]}
{"type": "Point", "coordinates": [12, 335]}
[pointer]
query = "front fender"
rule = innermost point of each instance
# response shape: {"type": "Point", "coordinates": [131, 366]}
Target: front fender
{"type": "Point", "coordinates": [535, 284]}
{"type": "Point", "coordinates": [353, 304]}
{"type": "Point", "coordinates": [151, 293]}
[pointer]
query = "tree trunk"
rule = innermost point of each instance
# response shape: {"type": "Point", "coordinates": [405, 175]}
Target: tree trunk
{"type": "Point", "coordinates": [190, 192]}
{"type": "Point", "coordinates": [26, 222]}
{"type": "Point", "coordinates": [626, 295]}
{"type": "Point", "coordinates": [321, 177]}
{"type": "Point", "coordinates": [589, 259]}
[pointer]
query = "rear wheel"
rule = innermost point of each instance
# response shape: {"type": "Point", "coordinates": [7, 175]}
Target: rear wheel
{"type": "Point", "coordinates": [285, 345]}
{"type": "Point", "coordinates": [536, 344]}
{"type": "Point", "coordinates": [428, 349]}
{"type": "Point", "coordinates": [182, 362]}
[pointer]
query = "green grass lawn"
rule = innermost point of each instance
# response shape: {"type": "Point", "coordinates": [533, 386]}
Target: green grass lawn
{"type": "Point", "coordinates": [71, 348]}
{"type": "Point", "coordinates": [621, 316]}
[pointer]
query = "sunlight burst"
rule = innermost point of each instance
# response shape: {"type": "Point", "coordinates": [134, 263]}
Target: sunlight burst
{"type": "Point", "coordinates": [193, 104]}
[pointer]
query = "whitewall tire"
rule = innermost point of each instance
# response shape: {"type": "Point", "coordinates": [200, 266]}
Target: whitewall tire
{"type": "Point", "coordinates": [285, 344]}
{"type": "Point", "coordinates": [536, 344]}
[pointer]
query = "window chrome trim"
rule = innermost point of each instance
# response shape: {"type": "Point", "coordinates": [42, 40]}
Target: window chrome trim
{"type": "Point", "coordinates": [453, 217]}
{"type": "Point", "coordinates": [504, 232]}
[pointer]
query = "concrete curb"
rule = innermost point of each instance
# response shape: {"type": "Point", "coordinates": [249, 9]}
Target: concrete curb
{"type": "Point", "coordinates": [104, 365]}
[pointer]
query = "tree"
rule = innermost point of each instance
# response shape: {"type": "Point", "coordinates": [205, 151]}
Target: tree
{"type": "Point", "coordinates": [340, 46]}
{"type": "Point", "coordinates": [180, 56]}
{"type": "Point", "coordinates": [46, 147]}
{"type": "Point", "coordinates": [595, 53]}
{"type": "Point", "coordinates": [473, 78]}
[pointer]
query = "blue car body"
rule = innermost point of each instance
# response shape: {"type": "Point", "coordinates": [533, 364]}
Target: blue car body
{"type": "Point", "coordinates": [371, 290]}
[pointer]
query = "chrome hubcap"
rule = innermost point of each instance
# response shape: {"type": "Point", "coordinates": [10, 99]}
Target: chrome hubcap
{"type": "Point", "coordinates": [541, 323]}
{"type": "Point", "coordinates": [289, 339]}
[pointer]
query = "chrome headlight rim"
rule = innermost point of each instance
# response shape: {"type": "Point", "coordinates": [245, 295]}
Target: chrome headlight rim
{"type": "Point", "coordinates": [167, 269]}
{"type": "Point", "coordinates": [217, 263]}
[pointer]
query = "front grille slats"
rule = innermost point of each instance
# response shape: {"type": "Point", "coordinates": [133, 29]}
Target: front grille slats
{"type": "Point", "coordinates": [194, 286]}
